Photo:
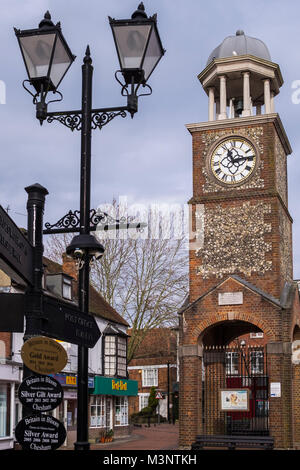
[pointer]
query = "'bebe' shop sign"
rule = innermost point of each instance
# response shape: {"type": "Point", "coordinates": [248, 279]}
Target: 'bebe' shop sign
{"type": "Point", "coordinates": [118, 385]}
{"type": "Point", "coordinates": [114, 386]}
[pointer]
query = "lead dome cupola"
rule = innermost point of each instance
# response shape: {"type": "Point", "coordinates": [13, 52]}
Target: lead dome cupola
{"type": "Point", "coordinates": [240, 79]}
{"type": "Point", "coordinates": [240, 44]}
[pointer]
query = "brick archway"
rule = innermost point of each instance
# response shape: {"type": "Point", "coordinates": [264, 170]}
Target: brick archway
{"type": "Point", "coordinates": [254, 324]}
{"type": "Point", "coordinates": [194, 360]}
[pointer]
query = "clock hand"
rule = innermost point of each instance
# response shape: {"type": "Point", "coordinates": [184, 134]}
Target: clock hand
{"type": "Point", "coordinates": [230, 156]}
{"type": "Point", "coordinates": [238, 159]}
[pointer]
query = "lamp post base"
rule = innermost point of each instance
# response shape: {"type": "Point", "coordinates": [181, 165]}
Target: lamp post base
{"type": "Point", "coordinates": [81, 446]}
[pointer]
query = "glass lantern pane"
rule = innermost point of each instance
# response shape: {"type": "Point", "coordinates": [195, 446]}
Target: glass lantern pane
{"type": "Point", "coordinates": [60, 64]}
{"type": "Point", "coordinates": [37, 52]}
{"type": "Point", "coordinates": [153, 54]}
{"type": "Point", "coordinates": [131, 42]}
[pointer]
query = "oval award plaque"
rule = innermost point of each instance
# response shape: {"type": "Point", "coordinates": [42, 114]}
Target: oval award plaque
{"type": "Point", "coordinates": [40, 393]}
{"type": "Point", "coordinates": [44, 355]}
{"type": "Point", "coordinates": [40, 432]}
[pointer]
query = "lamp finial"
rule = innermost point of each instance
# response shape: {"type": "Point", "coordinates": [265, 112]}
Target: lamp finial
{"type": "Point", "coordinates": [140, 12]}
{"type": "Point", "coordinates": [46, 21]}
{"type": "Point", "coordinates": [87, 59]}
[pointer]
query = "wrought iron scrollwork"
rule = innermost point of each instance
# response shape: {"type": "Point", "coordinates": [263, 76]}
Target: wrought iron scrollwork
{"type": "Point", "coordinates": [98, 221]}
{"type": "Point", "coordinates": [95, 217]}
{"type": "Point", "coordinates": [127, 90]}
{"type": "Point", "coordinates": [72, 121]}
{"type": "Point", "coordinates": [69, 221]}
{"type": "Point", "coordinates": [105, 219]}
{"type": "Point", "coordinates": [99, 119]}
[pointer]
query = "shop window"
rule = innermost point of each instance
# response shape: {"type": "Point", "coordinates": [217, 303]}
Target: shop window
{"type": "Point", "coordinates": [143, 400]}
{"type": "Point", "coordinates": [115, 355]}
{"type": "Point", "coordinates": [97, 405]}
{"type": "Point", "coordinates": [150, 377]}
{"type": "Point", "coordinates": [4, 410]}
{"type": "Point", "coordinates": [121, 411]}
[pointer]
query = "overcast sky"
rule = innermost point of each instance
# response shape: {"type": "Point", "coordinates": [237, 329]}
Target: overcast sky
{"type": "Point", "coordinates": [147, 159]}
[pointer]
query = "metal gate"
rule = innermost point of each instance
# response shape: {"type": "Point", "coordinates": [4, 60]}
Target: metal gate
{"type": "Point", "coordinates": [235, 391]}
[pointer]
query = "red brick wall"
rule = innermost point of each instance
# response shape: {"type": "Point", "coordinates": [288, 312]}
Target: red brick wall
{"type": "Point", "coordinates": [136, 374]}
{"type": "Point", "coordinates": [296, 404]}
{"type": "Point", "coordinates": [6, 338]}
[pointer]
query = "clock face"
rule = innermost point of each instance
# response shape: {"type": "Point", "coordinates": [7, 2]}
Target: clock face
{"type": "Point", "coordinates": [233, 161]}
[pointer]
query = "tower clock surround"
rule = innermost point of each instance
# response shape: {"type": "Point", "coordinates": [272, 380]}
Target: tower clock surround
{"type": "Point", "coordinates": [232, 160]}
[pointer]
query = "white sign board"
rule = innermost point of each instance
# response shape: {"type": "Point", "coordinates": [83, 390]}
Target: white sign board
{"type": "Point", "coordinates": [275, 389]}
{"type": "Point", "coordinates": [230, 298]}
{"type": "Point", "coordinates": [235, 400]}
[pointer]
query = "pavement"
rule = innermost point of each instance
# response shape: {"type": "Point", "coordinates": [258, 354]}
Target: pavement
{"type": "Point", "coordinates": [156, 437]}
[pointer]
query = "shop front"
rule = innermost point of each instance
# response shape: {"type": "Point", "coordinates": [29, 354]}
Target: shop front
{"type": "Point", "coordinates": [9, 378]}
{"type": "Point", "coordinates": [108, 410]}
{"type": "Point", "coordinates": [66, 413]}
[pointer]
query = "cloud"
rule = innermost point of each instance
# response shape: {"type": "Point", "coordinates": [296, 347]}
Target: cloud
{"type": "Point", "coordinates": [148, 158]}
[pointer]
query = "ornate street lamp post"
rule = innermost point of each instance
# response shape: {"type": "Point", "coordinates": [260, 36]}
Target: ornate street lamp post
{"type": "Point", "coordinates": [47, 58]}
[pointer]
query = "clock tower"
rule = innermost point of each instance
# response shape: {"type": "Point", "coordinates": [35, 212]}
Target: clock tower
{"type": "Point", "coordinates": [241, 273]}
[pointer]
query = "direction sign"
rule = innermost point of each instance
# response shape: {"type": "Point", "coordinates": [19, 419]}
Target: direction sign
{"type": "Point", "coordinates": [66, 322]}
{"type": "Point", "coordinates": [12, 307]}
{"type": "Point", "coordinates": [40, 393]}
{"type": "Point", "coordinates": [15, 251]}
{"type": "Point", "coordinates": [40, 432]}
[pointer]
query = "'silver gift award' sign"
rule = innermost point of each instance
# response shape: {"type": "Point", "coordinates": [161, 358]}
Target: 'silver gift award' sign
{"type": "Point", "coordinates": [40, 393]}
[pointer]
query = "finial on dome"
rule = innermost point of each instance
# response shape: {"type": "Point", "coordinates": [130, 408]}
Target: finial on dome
{"type": "Point", "coordinates": [240, 32]}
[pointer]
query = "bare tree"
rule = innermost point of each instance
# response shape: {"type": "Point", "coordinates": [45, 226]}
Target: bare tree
{"type": "Point", "coordinates": [155, 287]}
{"type": "Point", "coordinates": [55, 246]}
{"type": "Point", "coordinates": [143, 276]}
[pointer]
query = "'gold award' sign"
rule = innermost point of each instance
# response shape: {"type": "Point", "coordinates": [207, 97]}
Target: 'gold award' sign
{"type": "Point", "coordinates": [44, 355]}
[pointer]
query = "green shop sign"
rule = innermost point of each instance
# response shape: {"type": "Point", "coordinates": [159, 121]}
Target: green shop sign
{"type": "Point", "coordinates": [114, 386]}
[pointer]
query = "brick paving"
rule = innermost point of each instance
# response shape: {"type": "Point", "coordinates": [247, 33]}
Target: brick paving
{"type": "Point", "coordinates": [160, 437]}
